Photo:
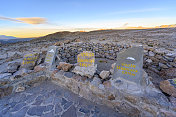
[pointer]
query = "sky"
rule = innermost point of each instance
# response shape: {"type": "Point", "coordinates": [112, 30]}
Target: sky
{"type": "Point", "coordinates": [34, 18]}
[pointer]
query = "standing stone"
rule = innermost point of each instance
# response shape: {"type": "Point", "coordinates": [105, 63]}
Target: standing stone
{"type": "Point", "coordinates": [29, 61]}
{"type": "Point", "coordinates": [51, 56]}
{"type": "Point", "coordinates": [129, 65]}
{"type": "Point", "coordinates": [86, 65]}
{"type": "Point", "coordinates": [86, 59]}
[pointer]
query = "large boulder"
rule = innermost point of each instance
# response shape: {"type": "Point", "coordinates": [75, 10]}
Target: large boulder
{"type": "Point", "coordinates": [64, 66]}
{"type": "Point", "coordinates": [169, 86]}
{"type": "Point", "coordinates": [85, 71]}
{"type": "Point", "coordinates": [13, 67]}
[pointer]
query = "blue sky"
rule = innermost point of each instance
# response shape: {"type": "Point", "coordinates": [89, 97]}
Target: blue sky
{"type": "Point", "coordinates": [56, 15]}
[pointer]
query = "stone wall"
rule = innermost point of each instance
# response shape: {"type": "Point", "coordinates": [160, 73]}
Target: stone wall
{"type": "Point", "coordinates": [151, 103]}
{"type": "Point", "coordinates": [155, 59]}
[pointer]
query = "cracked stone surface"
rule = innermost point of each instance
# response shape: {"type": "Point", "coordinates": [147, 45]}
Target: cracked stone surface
{"type": "Point", "coordinates": [49, 100]}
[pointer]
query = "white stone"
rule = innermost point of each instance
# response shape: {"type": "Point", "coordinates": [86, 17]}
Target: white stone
{"type": "Point", "coordinates": [151, 53]}
{"type": "Point", "coordinates": [104, 74]}
{"type": "Point", "coordinates": [20, 89]}
{"type": "Point", "coordinates": [85, 71]}
{"type": "Point", "coordinates": [149, 60]}
{"type": "Point", "coordinates": [5, 75]}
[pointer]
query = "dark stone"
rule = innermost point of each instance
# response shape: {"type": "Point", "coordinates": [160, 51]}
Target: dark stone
{"type": "Point", "coordinates": [21, 113]}
{"type": "Point", "coordinates": [49, 114]}
{"type": "Point", "coordinates": [18, 107]}
{"type": "Point", "coordinates": [48, 108]}
{"type": "Point", "coordinates": [84, 110]}
{"type": "Point", "coordinates": [64, 101]}
{"type": "Point", "coordinates": [68, 74]}
{"type": "Point", "coordinates": [37, 110]}
{"type": "Point", "coordinates": [58, 108]}
{"type": "Point", "coordinates": [71, 112]}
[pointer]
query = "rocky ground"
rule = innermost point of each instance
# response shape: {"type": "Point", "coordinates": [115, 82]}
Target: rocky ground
{"type": "Point", "coordinates": [159, 51]}
{"type": "Point", "coordinates": [50, 100]}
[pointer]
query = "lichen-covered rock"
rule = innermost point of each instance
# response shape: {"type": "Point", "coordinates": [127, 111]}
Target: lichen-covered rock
{"type": "Point", "coordinates": [85, 71]}
{"type": "Point", "coordinates": [64, 66]}
{"type": "Point", "coordinates": [169, 86]}
{"type": "Point", "coordinates": [104, 74]}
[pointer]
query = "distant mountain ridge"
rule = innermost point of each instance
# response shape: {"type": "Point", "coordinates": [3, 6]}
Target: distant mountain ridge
{"type": "Point", "coordinates": [7, 37]}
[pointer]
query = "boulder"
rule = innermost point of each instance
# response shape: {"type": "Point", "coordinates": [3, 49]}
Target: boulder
{"type": "Point", "coordinates": [168, 73]}
{"type": "Point", "coordinates": [85, 71]}
{"type": "Point", "coordinates": [64, 66]}
{"type": "Point", "coordinates": [169, 86]}
{"type": "Point", "coordinates": [3, 75]}
{"type": "Point", "coordinates": [13, 67]}
{"type": "Point", "coordinates": [39, 68]}
{"type": "Point", "coordinates": [104, 74]}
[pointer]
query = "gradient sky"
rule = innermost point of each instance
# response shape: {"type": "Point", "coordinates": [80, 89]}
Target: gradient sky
{"type": "Point", "coordinates": [32, 18]}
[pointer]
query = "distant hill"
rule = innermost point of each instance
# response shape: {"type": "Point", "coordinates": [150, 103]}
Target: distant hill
{"type": "Point", "coordinates": [6, 41]}
{"type": "Point", "coordinates": [7, 37]}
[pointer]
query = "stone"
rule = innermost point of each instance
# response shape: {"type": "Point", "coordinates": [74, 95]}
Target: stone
{"type": "Point", "coordinates": [129, 65]}
{"type": "Point", "coordinates": [20, 89]}
{"type": "Point", "coordinates": [39, 68]}
{"type": "Point", "coordinates": [29, 61]}
{"type": "Point", "coordinates": [104, 74]}
{"type": "Point", "coordinates": [12, 67]}
{"type": "Point", "coordinates": [71, 111]}
{"type": "Point", "coordinates": [169, 86]}
{"type": "Point", "coordinates": [51, 56]}
{"type": "Point", "coordinates": [85, 71]}
{"type": "Point", "coordinates": [96, 81]}
{"type": "Point", "coordinates": [36, 110]}
{"type": "Point", "coordinates": [3, 75]}
{"type": "Point", "coordinates": [86, 59]}
{"type": "Point", "coordinates": [163, 66]}
{"type": "Point", "coordinates": [151, 53]}
{"type": "Point", "coordinates": [168, 73]}
{"type": "Point", "coordinates": [68, 74]}
{"type": "Point", "coordinates": [107, 84]}
{"type": "Point", "coordinates": [149, 61]}
{"type": "Point", "coordinates": [64, 66]}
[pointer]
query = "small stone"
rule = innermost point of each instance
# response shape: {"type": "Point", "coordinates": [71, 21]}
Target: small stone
{"type": "Point", "coordinates": [20, 89]}
{"type": "Point", "coordinates": [70, 112]}
{"type": "Point", "coordinates": [111, 97]}
{"type": "Point", "coordinates": [163, 66]}
{"type": "Point", "coordinates": [101, 86]}
{"type": "Point", "coordinates": [64, 66]}
{"type": "Point", "coordinates": [113, 65]}
{"type": "Point", "coordinates": [169, 86]}
{"type": "Point", "coordinates": [149, 60]}
{"type": "Point", "coordinates": [12, 67]}
{"type": "Point", "coordinates": [107, 84]}
{"type": "Point", "coordinates": [96, 81]}
{"type": "Point", "coordinates": [37, 110]}
{"type": "Point", "coordinates": [104, 74]}
{"type": "Point", "coordinates": [151, 53]}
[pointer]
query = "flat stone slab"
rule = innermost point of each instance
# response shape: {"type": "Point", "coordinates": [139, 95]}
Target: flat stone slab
{"type": "Point", "coordinates": [50, 100]}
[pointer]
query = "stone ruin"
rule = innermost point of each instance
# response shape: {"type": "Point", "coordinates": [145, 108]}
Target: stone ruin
{"type": "Point", "coordinates": [126, 87]}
